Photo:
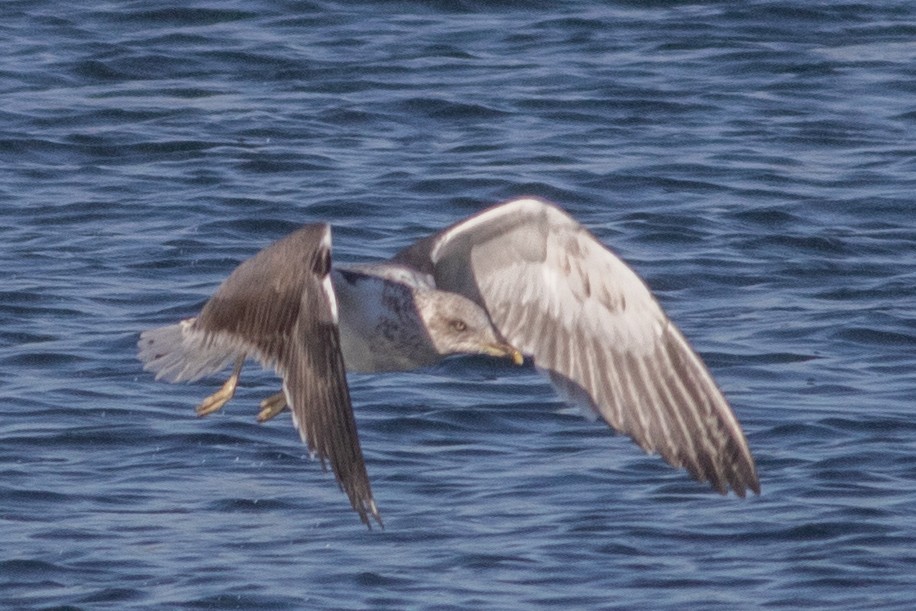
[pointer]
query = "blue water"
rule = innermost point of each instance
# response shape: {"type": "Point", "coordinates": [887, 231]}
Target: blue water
{"type": "Point", "coordinates": [755, 162]}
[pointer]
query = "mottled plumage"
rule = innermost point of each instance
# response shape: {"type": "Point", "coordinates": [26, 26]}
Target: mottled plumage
{"type": "Point", "coordinates": [592, 325]}
{"type": "Point", "coordinates": [281, 308]}
{"type": "Point", "coordinates": [522, 276]}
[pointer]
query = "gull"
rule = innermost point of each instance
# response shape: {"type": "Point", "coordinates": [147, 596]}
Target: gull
{"type": "Point", "coordinates": [521, 280]}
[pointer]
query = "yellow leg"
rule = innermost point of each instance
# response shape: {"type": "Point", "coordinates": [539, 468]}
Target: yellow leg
{"type": "Point", "coordinates": [271, 406]}
{"type": "Point", "coordinates": [218, 399]}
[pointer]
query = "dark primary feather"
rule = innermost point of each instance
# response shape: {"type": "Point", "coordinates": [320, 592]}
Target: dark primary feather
{"type": "Point", "coordinates": [553, 291]}
{"type": "Point", "coordinates": [316, 387]}
{"type": "Point", "coordinates": [275, 305]}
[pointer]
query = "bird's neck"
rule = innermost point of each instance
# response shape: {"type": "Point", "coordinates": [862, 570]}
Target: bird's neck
{"type": "Point", "coordinates": [380, 328]}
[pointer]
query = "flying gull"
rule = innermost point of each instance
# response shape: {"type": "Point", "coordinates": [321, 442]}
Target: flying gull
{"type": "Point", "coordinates": [521, 278]}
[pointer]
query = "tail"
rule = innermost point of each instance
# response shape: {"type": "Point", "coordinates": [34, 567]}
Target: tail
{"type": "Point", "coordinates": [181, 353]}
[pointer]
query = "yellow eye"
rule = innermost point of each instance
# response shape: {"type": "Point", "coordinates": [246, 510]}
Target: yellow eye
{"type": "Point", "coordinates": [458, 325]}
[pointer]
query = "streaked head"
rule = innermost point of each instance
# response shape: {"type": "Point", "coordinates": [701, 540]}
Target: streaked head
{"type": "Point", "coordinates": [457, 325]}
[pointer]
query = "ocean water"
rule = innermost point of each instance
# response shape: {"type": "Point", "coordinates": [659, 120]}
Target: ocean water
{"type": "Point", "coordinates": [755, 162]}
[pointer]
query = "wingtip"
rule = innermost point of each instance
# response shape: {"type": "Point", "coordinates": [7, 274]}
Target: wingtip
{"type": "Point", "coordinates": [741, 488]}
{"type": "Point", "coordinates": [750, 481]}
{"type": "Point", "coordinates": [365, 512]}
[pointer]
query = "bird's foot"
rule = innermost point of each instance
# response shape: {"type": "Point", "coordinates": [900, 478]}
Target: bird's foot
{"type": "Point", "coordinates": [217, 400]}
{"type": "Point", "coordinates": [271, 406]}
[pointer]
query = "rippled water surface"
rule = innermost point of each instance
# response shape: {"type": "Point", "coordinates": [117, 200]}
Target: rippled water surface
{"type": "Point", "coordinates": [755, 162]}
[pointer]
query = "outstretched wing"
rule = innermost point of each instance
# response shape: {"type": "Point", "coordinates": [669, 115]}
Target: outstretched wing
{"type": "Point", "coordinates": [592, 325]}
{"type": "Point", "coordinates": [279, 307]}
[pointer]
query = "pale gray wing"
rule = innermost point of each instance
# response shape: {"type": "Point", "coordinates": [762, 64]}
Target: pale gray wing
{"type": "Point", "coordinates": [279, 307]}
{"type": "Point", "coordinates": [589, 322]}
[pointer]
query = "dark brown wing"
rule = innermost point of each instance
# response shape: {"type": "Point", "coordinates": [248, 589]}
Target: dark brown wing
{"type": "Point", "coordinates": [279, 306]}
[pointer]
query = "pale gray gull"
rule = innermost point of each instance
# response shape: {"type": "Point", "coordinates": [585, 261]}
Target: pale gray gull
{"type": "Point", "coordinates": [521, 278]}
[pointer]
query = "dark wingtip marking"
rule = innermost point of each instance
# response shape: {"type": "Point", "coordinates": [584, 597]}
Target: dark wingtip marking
{"type": "Point", "coordinates": [322, 263]}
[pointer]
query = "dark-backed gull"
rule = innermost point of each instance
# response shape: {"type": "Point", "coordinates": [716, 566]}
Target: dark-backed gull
{"type": "Point", "coordinates": [521, 278]}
